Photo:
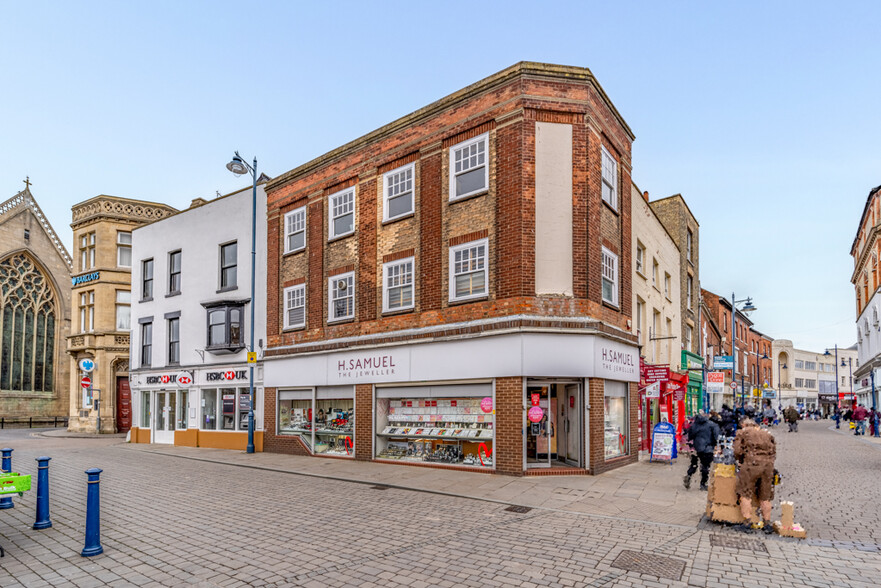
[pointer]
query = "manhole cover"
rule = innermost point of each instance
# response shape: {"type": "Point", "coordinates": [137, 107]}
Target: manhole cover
{"type": "Point", "coordinates": [516, 508]}
{"type": "Point", "coordinates": [735, 542]}
{"type": "Point", "coordinates": [378, 487]}
{"type": "Point", "coordinates": [648, 563]}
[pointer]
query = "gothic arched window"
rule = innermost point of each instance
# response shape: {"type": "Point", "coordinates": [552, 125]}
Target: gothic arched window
{"type": "Point", "coordinates": [27, 327]}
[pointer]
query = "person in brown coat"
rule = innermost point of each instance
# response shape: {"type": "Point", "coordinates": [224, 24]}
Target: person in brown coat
{"type": "Point", "coordinates": [755, 451]}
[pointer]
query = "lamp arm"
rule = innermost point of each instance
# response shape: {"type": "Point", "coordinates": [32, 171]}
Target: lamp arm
{"type": "Point", "coordinates": [251, 170]}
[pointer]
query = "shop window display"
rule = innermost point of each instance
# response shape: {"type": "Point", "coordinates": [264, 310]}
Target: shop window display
{"type": "Point", "coordinates": [616, 419]}
{"type": "Point", "coordinates": [326, 426]}
{"type": "Point", "coordinates": [453, 431]}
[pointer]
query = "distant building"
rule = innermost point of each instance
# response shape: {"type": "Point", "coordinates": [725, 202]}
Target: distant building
{"type": "Point", "coordinates": [812, 380]}
{"type": "Point", "coordinates": [719, 309]}
{"type": "Point", "coordinates": [865, 251]}
{"type": "Point", "coordinates": [101, 291]}
{"type": "Point", "coordinates": [34, 311]}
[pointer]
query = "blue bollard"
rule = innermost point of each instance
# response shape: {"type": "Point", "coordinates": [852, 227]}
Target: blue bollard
{"type": "Point", "coordinates": [6, 501]}
{"type": "Point", "coordinates": [42, 521]}
{"type": "Point", "coordinates": [93, 516]}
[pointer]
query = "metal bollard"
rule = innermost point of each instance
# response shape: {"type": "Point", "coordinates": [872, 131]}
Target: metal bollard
{"type": "Point", "coordinates": [93, 516]}
{"type": "Point", "coordinates": [42, 521]}
{"type": "Point", "coordinates": [6, 501]}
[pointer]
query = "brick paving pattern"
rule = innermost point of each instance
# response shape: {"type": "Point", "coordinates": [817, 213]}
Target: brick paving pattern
{"type": "Point", "coordinates": [170, 520]}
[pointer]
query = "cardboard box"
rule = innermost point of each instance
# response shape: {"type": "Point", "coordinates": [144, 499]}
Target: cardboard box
{"type": "Point", "coordinates": [724, 471]}
{"type": "Point", "coordinates": [726, 513]}
{"type": "Point", "coordinates": [787, 520]}
{"type": "Point", "coordinates": [724, 491]}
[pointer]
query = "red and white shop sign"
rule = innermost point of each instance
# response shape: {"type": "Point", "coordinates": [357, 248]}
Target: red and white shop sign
{"type": "Point", "coordinates": [535, 399]}
{"type": "Point", "coordinates": [656, 373]}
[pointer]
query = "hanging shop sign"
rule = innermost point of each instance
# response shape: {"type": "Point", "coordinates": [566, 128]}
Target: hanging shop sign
{"type": "Point", "coordinates": [87, 365]}
{"type": "Point", "coordinates": [535, 414]}
{"type": "Point", "coordinates": [715, 382]}
{"type": "Point", "coordinates": [769, 393]}
{"type": "Point", "coordinates": [723, 362]}
{"type": "Point", "coordinates": [226, 375]}
{"type": "Point", "coordinates": [656, 373]}
{"type": "Point", "coordinates": [653, 390]}
{"type": "Point", "coordinates": [184, 378]}
{"type": "Point", "coordinates": [85, 278]}
{"type": "Point", "coordinates": [663, 443]}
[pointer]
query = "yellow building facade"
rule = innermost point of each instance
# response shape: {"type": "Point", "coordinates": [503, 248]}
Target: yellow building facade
{"type": "Point", "coordinates": [100, 398]}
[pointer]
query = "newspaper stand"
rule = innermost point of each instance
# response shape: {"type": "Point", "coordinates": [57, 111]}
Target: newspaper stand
{"type": "Point", "coordinates": [13, 483]}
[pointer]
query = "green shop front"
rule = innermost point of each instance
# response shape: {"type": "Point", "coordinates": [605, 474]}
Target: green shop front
{"type": "Point", "coordinates": [693, 365]}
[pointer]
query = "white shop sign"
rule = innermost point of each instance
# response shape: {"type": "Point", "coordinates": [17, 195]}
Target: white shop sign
{"type": "Point", "coordinates": [615, 361]}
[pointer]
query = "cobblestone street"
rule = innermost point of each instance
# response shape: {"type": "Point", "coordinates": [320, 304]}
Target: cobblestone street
{"type": "Point", "coordinates": [175, 516]}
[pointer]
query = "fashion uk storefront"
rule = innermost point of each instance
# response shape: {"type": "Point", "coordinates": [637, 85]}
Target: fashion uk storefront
{"type": "Point", "coordinates": [512, 403]}
{"type": "Point", "coordinates": [197, 407]}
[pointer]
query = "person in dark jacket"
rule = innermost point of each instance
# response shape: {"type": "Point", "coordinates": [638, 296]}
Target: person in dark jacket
{"type": "Point", "coordinates": [791, 415]}
{"type": "Point", "coordinates": [859, 416]}
{"type": "Point", "coordinates": [703, 435]}
{"type": "Point", "coordinates": [728, 422]}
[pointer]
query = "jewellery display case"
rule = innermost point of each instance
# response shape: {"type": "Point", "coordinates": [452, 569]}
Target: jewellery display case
{"type": "Point", "coordinates": [326, 426]}
{"type": "Point", "coordinates": [452, 431]}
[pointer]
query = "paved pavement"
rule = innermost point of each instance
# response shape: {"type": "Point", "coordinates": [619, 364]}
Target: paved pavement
{"type": "Point", "coordinates": [186, 517]}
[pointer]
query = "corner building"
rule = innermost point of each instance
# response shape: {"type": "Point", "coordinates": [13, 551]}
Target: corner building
{"type": "Point", "coordinates": [453, 289]}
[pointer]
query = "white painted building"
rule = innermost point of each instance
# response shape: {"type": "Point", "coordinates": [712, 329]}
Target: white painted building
{"type": "Point", "coordinates": [191, 324]}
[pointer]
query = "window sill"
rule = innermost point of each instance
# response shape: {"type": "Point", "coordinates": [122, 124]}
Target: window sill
{"type": "Point", "coordinates": [150, 299]}
{"type": "Point", "coordinates": [170, 294]}
{"type": "Point", "coordinates": [457, 301]}
{"type": "Point", "coordinates": [339, 237]}
{"type": "Point", "coordinates": [294, 252]}
{"type": "Point", "coordinates": [224, 349]}
{"type": "Point", "coordinates": [641, 275]}
{"type": "Point", "coordinates": [397, 311]}
{"type": "Point", "coordinates": [293, 329]}
{"type": "Point", "coordinates": [340, 321]}
{"type": "Point", "coordinates": [452, 200]}
{"type": "Point", "coordinates": [389, 221]}
{"type": "Point", "coordinates": [612, 208]}
{"type": "Point", "coordinates": [612, 305]}
{"type": "Point", "coordinates": [227, 289]}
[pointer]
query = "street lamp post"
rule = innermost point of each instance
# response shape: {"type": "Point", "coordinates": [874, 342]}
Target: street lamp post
{"type": "Point", "coordinates": [238, 166]}
{"type": "Point", "coordinates": [837, 397]}
{"type": "Point", "coordinates": [748, 307]}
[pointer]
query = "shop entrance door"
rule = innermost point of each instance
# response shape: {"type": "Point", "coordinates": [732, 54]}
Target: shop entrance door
{"type": "Point", "coordinates": [123, 405]}
{"type": "Point", "coordinates": [569, 450]}
{"type": "Point", "coordinates": [539, 436]}
{"type": "Point", "coordinates": [163, 425]}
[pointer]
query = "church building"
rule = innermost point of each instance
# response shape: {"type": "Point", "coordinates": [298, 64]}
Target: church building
{"type": "Point", "coordinates": [34, 311]}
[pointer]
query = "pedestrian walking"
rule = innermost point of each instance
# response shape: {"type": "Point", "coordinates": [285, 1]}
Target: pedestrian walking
{"type": "Point", "coordinates": [769, 415]}
{"type": "Point", "coordinates": [791, 416]}
{"type": "Point", "coordinates": [837, 417]}
{"type": "Point", "coordinates": [859, 416]}
{"type": "Point", "coordinates": [703, 435]}
{"type": "Point", "coordinates": [755, 451]}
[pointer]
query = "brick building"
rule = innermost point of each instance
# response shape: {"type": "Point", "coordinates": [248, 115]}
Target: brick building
{"type": "Point", "coordinates": [720, 310]}
{"type": "Point", "coordinates": [865, 251]}
{"type": "Point", "coordinates": [454, 288]}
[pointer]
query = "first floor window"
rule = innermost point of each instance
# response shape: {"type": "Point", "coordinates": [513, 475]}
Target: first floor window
{"type": "Point", "coordinates": [610, 178]}
{"type": "Point", "coordinates": [146, 344]}
{"type": "Point", "coordinates": [469, 270]}
{"type": "Point", "coordinates": [229, 266]}
{"type": "Point", "coordinates": [123, 310]}
{"type": "Point", "coordinates": [397, 293]}
{"type": "Point", "coordinates": [341, 297]}
{"type": "Point", "coordinates": [610, 277]}
{"type": "Point", "coordinates": [295, 306]}
{"type": "Point", "coordinates": [616, 419]}
{"type": "Point", "coordinates": [225, 328]}
{"type": "Point", "coordinates": [124, 249]}
{"type": "Point", "coordinates": [174, 259]}
{"type": "Point", "coordinates": [174, 340]}
{"type": "Point", "coordinates": [147, 279]}
{"type": "Point", "coordinates": [87, 311]}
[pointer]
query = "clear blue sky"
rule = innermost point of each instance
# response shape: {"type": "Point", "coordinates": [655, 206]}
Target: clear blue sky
{"type": "Point", "coordinates": [764, 115]}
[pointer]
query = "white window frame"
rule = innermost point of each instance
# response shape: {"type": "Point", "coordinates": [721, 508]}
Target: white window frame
{"type": "Point", "coordinates": [120, 246]}
{"type": "Point", "coordinates": [484, 138]}
{"type": "Point", "coordinates": [386, 287]}
{"type": "Point", "coordinates": [288, 293]}
{"type": "Point", "coordinates": [606, 268]}
{"type": "Point", "coordinates": [386, 185]}
{"type": "Point", "coordinates": [609, 175]}
{"type": "Point", "coordinates": [289, 220]}
{"type": "Point", "coordinates": [640, 258]}
{"type": "Point", "coordinates": [667, 281]}
{"type": "Point", "coordinates": [452, 270]}
{"type": "Point", "coordinates": [331, 205]}
{"type": "Point", "coordinates": [331, 284]}
{"type": "Point", "coordinates": [655, 270]}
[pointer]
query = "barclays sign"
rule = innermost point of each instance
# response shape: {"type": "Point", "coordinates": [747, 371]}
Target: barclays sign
{"type": "Point", "coordinates": [84, 279]}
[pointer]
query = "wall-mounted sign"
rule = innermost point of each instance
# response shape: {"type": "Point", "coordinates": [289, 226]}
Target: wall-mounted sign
{"type": "Point", "coordinates": [161, 379]}
{"type": "Point", "coordinates": [226, 375]}
{"type": "Point", "coordinates": [87, 365]}
{"type": "Point", "coordinates": [616, 362]}
{"type": "Point", "coordinates": [184, 378]}
{"type": "Point", "coordinates": [715, 382]}
{"type": "Point", "coordinates": [85, 278]}
{"type": "Point", "coordinates": [723, 362]}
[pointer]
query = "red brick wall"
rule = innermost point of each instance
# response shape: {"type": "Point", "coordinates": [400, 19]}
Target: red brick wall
{"type": "Point", "coordinates": [364, 422]}
{"type": "Point", "coordinates": [508, 452]}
